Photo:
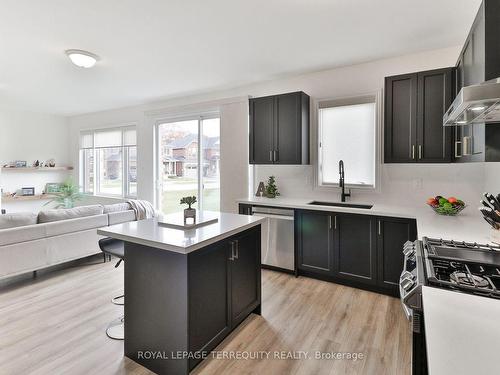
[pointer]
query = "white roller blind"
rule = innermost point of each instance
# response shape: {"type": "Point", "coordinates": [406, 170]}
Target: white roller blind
{"type": "Point", "coordinates": [87, 140]}
{"type": "Point", "coordinates": [108, 138]}
{"type": "Point", "coordinates": [129, 137]}
{"type": "Point", "coordinates": [348, 133]}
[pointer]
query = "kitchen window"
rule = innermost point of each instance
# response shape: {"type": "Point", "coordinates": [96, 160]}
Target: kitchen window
{"type": "Point", "coordinates": [108, 162]}
{"type": "Point", "coordinates": [188, 162]}
{"type": "Point", "coordinates": [348, 132]}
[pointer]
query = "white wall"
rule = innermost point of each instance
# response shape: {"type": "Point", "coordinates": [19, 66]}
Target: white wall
{"type": "Point", "coordinates": [30, 136]}
{"type": "Point", "coordinates": [398, 181]}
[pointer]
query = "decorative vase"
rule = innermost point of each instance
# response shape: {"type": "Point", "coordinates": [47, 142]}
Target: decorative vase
{"type": "Point", "coordinates": [189, 216]}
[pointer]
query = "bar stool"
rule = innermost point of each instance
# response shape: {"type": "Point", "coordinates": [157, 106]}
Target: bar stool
{"type": "Point", "coordinates": [111, 246]}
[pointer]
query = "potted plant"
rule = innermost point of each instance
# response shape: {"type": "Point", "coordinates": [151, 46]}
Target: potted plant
{"type": "Point", "coordinates": [68, 194]}
{"type": "Point", "coordinates": [189, 213]}
{"type": "Point", "coordinates": [271, 188]}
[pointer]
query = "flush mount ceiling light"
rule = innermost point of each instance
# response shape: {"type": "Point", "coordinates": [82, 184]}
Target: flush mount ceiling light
{"type": "Point", "coordinates": [82, 59]}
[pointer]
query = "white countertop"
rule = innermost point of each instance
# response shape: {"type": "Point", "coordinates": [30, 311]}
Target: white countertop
{"type": "Point", "coordinates": [462, 332]}
{"type": "Point", "coordinates": [467, 226]}
{"type": "Point", "coordinates": [149, 233]}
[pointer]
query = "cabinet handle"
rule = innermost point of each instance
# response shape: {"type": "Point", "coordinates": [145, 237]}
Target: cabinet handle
{"type": "Point", "coordinates": [271, 155]}
{"type": "Point", "coordinates": [457, 144]}
{"type": "Point", "coordinates": [335, 222]}
{"type": "Point", "coordinates": [379, 229]}
{"type": "Point", "coordinates": [329, 222]}
{"type": "Point", "coordinates": [231, 258]}
{"type": "Point", "coordinates": [275, 155]}
{"type": "Point", "coordinates": [413, 151]}
{"type": "Point", "coordinates": [420, 151]}
{"type": "Point", "coordinates": [236, 249]}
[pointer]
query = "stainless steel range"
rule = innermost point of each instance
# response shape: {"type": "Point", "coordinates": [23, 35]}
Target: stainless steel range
{"type": "Point", "coordinates": [460, 266]}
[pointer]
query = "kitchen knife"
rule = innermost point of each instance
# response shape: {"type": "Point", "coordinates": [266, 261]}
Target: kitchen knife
{"type": "Point", "coordinates": [491, 222]}
{"type": "Point", "coordinates": [485, 203]}
{"type": "Point", "coordinates": [490, 213]}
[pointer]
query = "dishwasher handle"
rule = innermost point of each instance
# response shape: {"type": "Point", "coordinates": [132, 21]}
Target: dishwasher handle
{"type": "Point", "coordinates": [264, 211]}
{"type": "Point", "coordinates": [271, 216]}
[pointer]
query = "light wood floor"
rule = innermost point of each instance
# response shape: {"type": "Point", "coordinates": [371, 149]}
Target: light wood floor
{"type": "Point", "coordinates": [55, 324]}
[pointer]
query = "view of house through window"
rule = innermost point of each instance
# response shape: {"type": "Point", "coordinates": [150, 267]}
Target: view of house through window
{"type": "Point", "coordinates": [189, 155]}
{"type": "Point", "coordinates": [347, 131]}
{"type": "Point", "coordinates": [108, 162]}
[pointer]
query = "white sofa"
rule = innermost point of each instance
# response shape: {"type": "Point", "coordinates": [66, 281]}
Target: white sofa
{"type": "Point", "coordinates": [31, 242]}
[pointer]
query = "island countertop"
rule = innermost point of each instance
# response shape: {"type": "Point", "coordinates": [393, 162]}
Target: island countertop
{"type": "Point", "coordinates": [149, 233]}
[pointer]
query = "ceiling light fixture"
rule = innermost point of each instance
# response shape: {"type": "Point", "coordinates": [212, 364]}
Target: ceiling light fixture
{"type": "Point", "coordinates": [82, 59]}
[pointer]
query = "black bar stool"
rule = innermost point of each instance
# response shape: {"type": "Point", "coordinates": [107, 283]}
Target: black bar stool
{"type": "Point", "coordinates": [111, 246]}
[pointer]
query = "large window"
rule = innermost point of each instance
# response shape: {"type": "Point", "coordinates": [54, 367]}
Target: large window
{"type": "Point", "coordinates": [348, 132]}
{"type": "Point", "coordinates": [108, 162]}
{"type": "Point", "coordinates": [188, 163]}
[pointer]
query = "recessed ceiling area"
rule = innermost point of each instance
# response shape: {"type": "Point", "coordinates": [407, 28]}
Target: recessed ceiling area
{"type": "Point", "coordinates": [154, 49]}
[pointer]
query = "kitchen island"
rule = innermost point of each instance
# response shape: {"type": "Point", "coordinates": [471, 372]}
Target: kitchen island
{"type": "Point", "coordinates": [186, 290]}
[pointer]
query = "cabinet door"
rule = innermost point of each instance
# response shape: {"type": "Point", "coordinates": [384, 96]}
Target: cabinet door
{"type": "Point", "coordinates": [209, 319]}
{"type": "Point", "coordinates": [315, 242]}
{"type": "Point", "coordinates": [392, 234]}
{"type": "Point", "coordinates": [355, 248]}
{"type": "Point", "coordinates": [400, 119]}
{"type": "Point", "coordinates": [262, 119]}
{"type": "Point", "coordinates": [245, 274]}
{"type": "Point", "coordinates": [288, 131]}
{"type": "Point", "coordinates": [434, 141]}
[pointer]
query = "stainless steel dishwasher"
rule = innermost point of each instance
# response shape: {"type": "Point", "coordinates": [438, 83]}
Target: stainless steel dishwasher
{"type": "Point", "coordinates": [277, 237]}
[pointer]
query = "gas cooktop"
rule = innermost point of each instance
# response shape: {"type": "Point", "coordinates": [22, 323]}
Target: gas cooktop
{"type": "Point", "coordinates": [468, 267]}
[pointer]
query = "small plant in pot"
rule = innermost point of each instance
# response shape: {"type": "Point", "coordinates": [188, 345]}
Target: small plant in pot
{"type": "Point", "coordinates": [272, 188]}
{"type": "Point", "coordinates": [68, 194]}
{"type": "Point", "coordinates": [189, 213]}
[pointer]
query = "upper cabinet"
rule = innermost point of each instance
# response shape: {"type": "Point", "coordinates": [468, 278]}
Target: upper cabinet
{"type": "Point", "coordinates": [414, 108]}
{"type": "Point", "coordinates": [279, 129]}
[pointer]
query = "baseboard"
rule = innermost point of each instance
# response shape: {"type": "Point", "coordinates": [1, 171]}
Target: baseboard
{"type": "Point", "coordinates": [279, 269]}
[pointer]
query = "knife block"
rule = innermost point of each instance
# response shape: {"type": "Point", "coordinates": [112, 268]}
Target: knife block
{"type": "Point", "coordinates": [495, 236]}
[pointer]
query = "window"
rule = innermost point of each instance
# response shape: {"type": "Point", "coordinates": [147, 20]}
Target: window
{"type": "Point", "coordinates": [108, 162]}
{"type": "Point", "coordinates": [188, 163]}
{"type": "Point", "coordinates": [347, 131]}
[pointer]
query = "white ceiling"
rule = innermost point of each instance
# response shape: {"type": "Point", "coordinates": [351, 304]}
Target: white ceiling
{"type": "Point", "coordinates": [153, 49]}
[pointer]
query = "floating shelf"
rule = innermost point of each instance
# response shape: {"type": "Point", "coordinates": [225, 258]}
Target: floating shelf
{"type": "Point", "coordinates": [21, 198]}
{"type": "Point", "coordinates": [36, 169]}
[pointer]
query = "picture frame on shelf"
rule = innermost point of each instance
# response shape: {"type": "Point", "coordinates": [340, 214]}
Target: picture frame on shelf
{"type": "Point", "coordinates": [21, 163]}
{"type": "Point", "coordinates": [27, 191]}
{"type": "Point", "coordinates": [52, 187]}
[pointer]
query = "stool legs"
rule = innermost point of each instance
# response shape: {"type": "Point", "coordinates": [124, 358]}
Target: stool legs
{"type": "Point", "coordinates": [116, 329]}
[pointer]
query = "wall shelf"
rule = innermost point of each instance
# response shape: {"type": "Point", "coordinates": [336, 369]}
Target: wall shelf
{"type": "Point", "coordinates": [36, 169]}
{"type": "Point", "coordinates": [23, 198]}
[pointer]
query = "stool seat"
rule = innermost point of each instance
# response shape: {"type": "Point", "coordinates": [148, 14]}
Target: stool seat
{"type": "Point", "coordinates": [113, 247]}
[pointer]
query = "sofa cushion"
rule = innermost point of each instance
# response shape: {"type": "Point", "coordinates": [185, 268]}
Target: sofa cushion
{"type": "Point", "coordinates": [17, 219]}
{"type": "Point", "coordinates": [117, 207]}
{"type": "Point", "coordinates": [69, 213]}
{"type": "Point", "coordinates": [121, 217]}
{"type": "Point", "coordinates": [75, 225]}
{"type": "Point", "coordinates": [21, 234]}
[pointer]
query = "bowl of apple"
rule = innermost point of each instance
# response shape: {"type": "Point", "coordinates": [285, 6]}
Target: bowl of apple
{"type": "Point", "coordinates": [446, 206]}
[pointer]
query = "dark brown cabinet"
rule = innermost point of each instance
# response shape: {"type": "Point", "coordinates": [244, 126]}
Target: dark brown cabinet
{"type": "Point", "coordinates": [279, 129]}
{"type": "Point", "coordinates": [225, 287]}
{"type": "Point", "coordinates": [355, 248]}
{"type": "Point", "coordinates": [392, 233]}
{"type": "Point", "coordinates": [414, 108]}
{"type": "Point", "coordinates": [359, 250]}
{"type": "Point", "coordinates": [315, 241]}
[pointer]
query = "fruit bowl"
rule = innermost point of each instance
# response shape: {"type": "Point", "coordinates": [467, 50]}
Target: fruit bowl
{"type": "Point", "coordinates": [446, 206]}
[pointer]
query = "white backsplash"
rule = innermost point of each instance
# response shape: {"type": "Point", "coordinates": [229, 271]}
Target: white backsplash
{"type": "Point", "coordinates": [399, 183]}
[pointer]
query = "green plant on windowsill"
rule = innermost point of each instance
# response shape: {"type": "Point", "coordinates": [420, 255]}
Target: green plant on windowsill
{"type": "Point", "coordinates": [68, 195]}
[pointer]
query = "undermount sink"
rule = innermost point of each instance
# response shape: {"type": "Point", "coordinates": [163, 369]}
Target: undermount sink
{"type": "Point", "coordinates": [338, 204]}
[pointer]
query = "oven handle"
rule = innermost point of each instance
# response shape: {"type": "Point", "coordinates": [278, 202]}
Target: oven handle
{"type": "Point", "coordinates": [406, 310]}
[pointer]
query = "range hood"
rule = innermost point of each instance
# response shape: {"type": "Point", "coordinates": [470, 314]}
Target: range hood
{"type": "Point", "coordinates": [475, 104]}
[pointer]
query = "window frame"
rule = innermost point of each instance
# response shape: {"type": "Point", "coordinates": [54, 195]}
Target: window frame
{"type": "Point", "coordinates": [170, 119]}
{"type": "Point", "coordinates": [371, 97]}
{"type": "Point", "coordinates": [125, 190]}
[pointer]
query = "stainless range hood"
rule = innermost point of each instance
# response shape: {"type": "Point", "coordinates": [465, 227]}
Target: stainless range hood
{"type": "Point", "coordinates": [475, 104]}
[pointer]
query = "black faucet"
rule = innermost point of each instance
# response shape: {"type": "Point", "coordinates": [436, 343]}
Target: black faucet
{"type": "Point", "coordinates": [343, 195]}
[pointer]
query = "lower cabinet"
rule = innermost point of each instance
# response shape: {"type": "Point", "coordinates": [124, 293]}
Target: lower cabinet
{"type": "Point", "coordinates": [360, 250]}
{"type": "Point", "coordinates": [225, 287]}
{"type": "Point", "coordinates": [392, 234]}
